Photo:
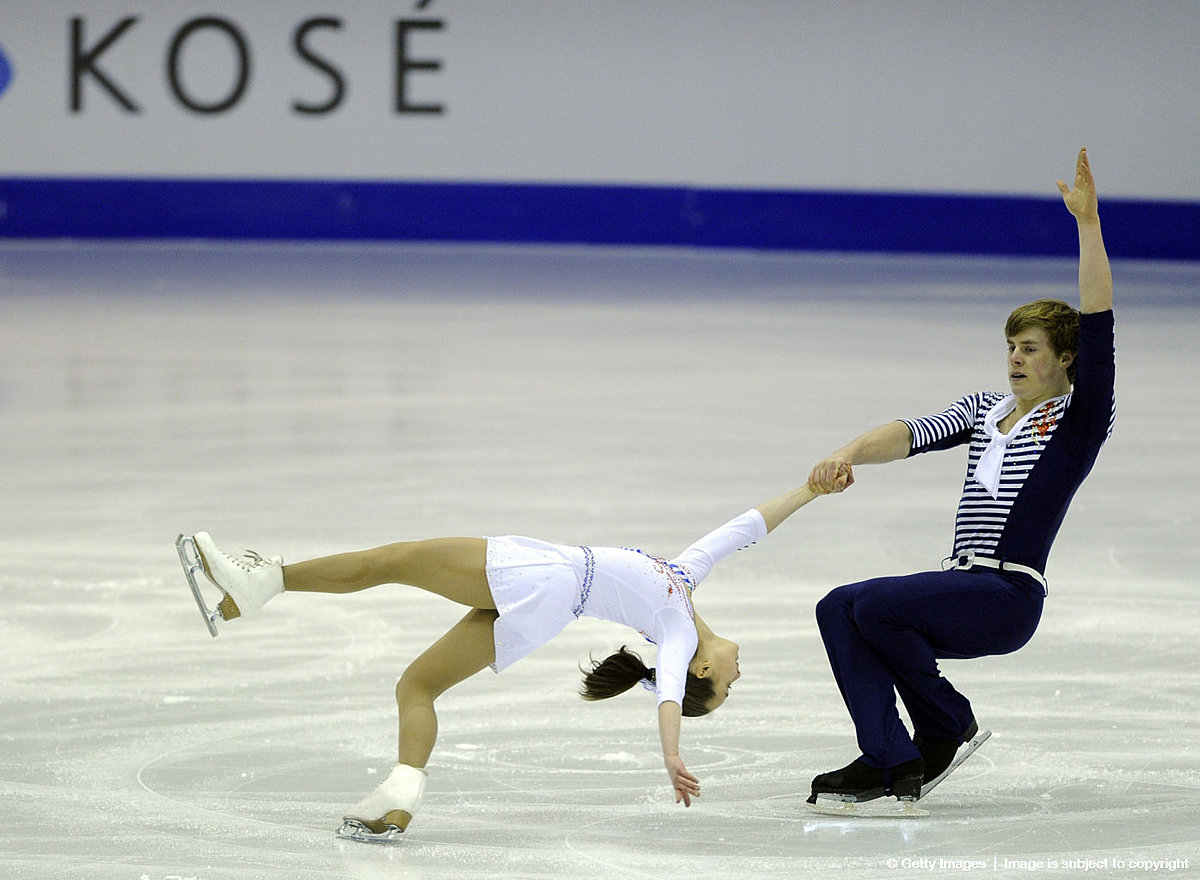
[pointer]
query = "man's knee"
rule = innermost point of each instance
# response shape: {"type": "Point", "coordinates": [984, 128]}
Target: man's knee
{"type": "Point", "coordinates": [864, 607]}
{"type": "Point", "coordinates": [834, 607]}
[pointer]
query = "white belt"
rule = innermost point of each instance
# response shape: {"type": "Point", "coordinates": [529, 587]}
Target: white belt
{"type": "Point", "coordinates": [971, 559]}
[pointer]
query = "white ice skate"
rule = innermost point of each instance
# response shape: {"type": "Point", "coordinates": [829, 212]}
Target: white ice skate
{"type": "Point", "coordinates": [383, 815]}
{"type": "Point", "coordinates": [247, 583]}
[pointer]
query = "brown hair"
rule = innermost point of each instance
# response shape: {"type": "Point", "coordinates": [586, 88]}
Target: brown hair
{"type": "Point", "coordinates": [1059, 320]}
{"type": "Point", "coordinates": [618, 672]}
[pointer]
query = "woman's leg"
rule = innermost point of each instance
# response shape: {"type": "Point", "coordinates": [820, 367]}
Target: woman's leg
{"type": "Point", "coordinates": [450, 567]}
{"type": "Point", "coordinates": [466, 649]}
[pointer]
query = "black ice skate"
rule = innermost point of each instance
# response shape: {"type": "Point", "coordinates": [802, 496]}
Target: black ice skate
{"type": "Point", "coordinates": [943, 757]}
{"type": "Point", "coordinates": [861, 790]}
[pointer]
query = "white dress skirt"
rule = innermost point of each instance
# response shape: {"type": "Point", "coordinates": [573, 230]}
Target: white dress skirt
{"type": "Point", "coordinates": [537, 588]}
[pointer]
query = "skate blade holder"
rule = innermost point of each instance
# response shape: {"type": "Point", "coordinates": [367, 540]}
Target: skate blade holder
{"type": "Point", "coordinates": [189, 558]}
{"type": "Point", "coordinates": [963, 753]}
{"type": "Point", "coordinates": [352, 829]}
{"type": "Point", "coordinates": [876, 808]}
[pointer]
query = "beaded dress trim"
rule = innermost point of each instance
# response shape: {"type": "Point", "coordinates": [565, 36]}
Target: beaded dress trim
{"type": "Point", "coordinates": [589, 574]}
{"type": "Point", "coordinates": [680, 584]}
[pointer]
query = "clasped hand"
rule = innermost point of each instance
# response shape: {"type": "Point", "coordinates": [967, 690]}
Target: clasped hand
{"type": "Point", "coordinates": [831, 475]}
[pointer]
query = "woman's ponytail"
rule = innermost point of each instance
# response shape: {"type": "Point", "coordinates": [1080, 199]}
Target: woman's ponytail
{"type": "Point", "coordinates": [618, 672]}
{"type": "Point", "coordinates": [614, 675]}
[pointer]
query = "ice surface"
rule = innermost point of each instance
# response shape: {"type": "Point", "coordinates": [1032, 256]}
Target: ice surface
{"type": "Point", "coordinates": [301, 400]}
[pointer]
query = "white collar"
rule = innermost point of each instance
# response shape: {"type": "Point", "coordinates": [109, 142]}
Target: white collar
{"type": "Point", "coordinates": [987, 471]}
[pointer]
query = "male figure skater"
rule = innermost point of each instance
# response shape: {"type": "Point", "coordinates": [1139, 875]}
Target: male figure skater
{"type": "Point", "coordinates": [1028, 452]}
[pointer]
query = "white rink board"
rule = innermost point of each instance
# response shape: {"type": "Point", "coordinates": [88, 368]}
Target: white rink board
{"type": "Point", "coordinates": [874, 95]}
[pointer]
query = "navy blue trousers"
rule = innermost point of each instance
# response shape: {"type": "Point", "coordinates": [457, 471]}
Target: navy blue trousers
{"type": "Point", "coordinates": [885, 636]}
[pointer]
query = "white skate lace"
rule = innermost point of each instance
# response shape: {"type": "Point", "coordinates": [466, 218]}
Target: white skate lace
{"type": "Point", "coordinates": [250, 560]}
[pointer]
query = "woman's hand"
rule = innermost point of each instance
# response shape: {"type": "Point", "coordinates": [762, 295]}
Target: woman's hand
{"type": "Point", "coordinates": [685, 784]}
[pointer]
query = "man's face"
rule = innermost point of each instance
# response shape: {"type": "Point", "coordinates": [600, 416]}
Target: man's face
{"type": "Point", "coordinates": [1035, 370]}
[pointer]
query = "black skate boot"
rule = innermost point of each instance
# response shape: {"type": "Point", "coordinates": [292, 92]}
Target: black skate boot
{"type": "Point", "coordinates": [939, 753]}
{"type": "Point", "coordinates": [858, 782]}
{"type": "Point", "coordinates": [942, 756]}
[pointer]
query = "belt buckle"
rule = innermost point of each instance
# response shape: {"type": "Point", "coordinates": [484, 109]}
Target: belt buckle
{"type": "Point", "coordinates": [964, 560]}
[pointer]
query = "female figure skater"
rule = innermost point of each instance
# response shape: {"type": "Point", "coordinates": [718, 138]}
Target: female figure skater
{"type": "Point", "coordinates": [521, 592]}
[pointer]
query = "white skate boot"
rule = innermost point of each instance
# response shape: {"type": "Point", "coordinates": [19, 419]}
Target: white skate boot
{"type": "Point", "coordinates": [385, 813]}
{"type": "Point", "coordinates": [247, 583]}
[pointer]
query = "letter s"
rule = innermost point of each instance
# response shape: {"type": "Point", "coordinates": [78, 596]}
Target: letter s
{"type": "Point", "coordinates": [335, 75]}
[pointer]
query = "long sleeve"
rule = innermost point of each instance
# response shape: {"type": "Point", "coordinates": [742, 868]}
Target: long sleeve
{"type": "Point", "coordinates": [737, 534]}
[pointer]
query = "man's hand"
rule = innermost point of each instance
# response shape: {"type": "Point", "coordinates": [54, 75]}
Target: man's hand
{"type": "Point", "coordinates": [1081, 199]}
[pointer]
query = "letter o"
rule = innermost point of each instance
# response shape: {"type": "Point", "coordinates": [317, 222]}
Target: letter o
{"type": "Point", "coordinates": [243, 52]}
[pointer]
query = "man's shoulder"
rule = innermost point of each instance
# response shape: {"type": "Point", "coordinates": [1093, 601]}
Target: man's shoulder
{"type": "Point", "coordinates": [977, 403]}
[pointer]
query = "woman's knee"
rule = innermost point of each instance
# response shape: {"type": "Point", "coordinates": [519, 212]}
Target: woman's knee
{"type": "Point", "coordinates": [412, 689]}
{"type": "Point", "coordinates": [459, 654]}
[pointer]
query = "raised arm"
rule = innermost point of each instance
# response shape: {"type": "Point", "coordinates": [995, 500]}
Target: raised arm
{"type": "Point", "coordinates": [1095, 275]}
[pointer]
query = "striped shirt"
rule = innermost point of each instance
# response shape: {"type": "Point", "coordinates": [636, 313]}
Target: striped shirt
{"type": "Point", "coordinates": [1043, 466]}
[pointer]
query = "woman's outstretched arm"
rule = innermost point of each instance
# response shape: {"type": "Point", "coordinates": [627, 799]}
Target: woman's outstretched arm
{"type": "Point", "coordinates": [778, 509]}
{"type": "Point", "coordinates": [685, 784]}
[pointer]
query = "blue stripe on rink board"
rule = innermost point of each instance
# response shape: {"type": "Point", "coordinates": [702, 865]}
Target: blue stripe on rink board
{"type": "Point", "coordinates": [34, 207]}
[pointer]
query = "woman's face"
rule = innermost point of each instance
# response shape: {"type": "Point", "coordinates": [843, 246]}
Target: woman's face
{"type": "Point", "coordinates": [721, 667]}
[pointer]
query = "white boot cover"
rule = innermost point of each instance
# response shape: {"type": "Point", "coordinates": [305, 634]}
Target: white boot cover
{"type": "Point", "coordinates": [248, 582]}
{"type": "Point", "coordinates": [386, 812]}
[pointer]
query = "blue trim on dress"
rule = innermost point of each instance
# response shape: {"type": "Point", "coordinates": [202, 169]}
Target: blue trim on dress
{"type": "Point", "coordinates": [588, 576]}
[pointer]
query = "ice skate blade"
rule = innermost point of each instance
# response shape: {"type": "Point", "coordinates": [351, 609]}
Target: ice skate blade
{"type": "Point", "coordinates": [962, 755]}
{"type": "Point", "coordinates": [877, 808]}
{"type": "Point", "coordinates": [352, 829]}
{"type": "Point", "coordinates": [189, 558]}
